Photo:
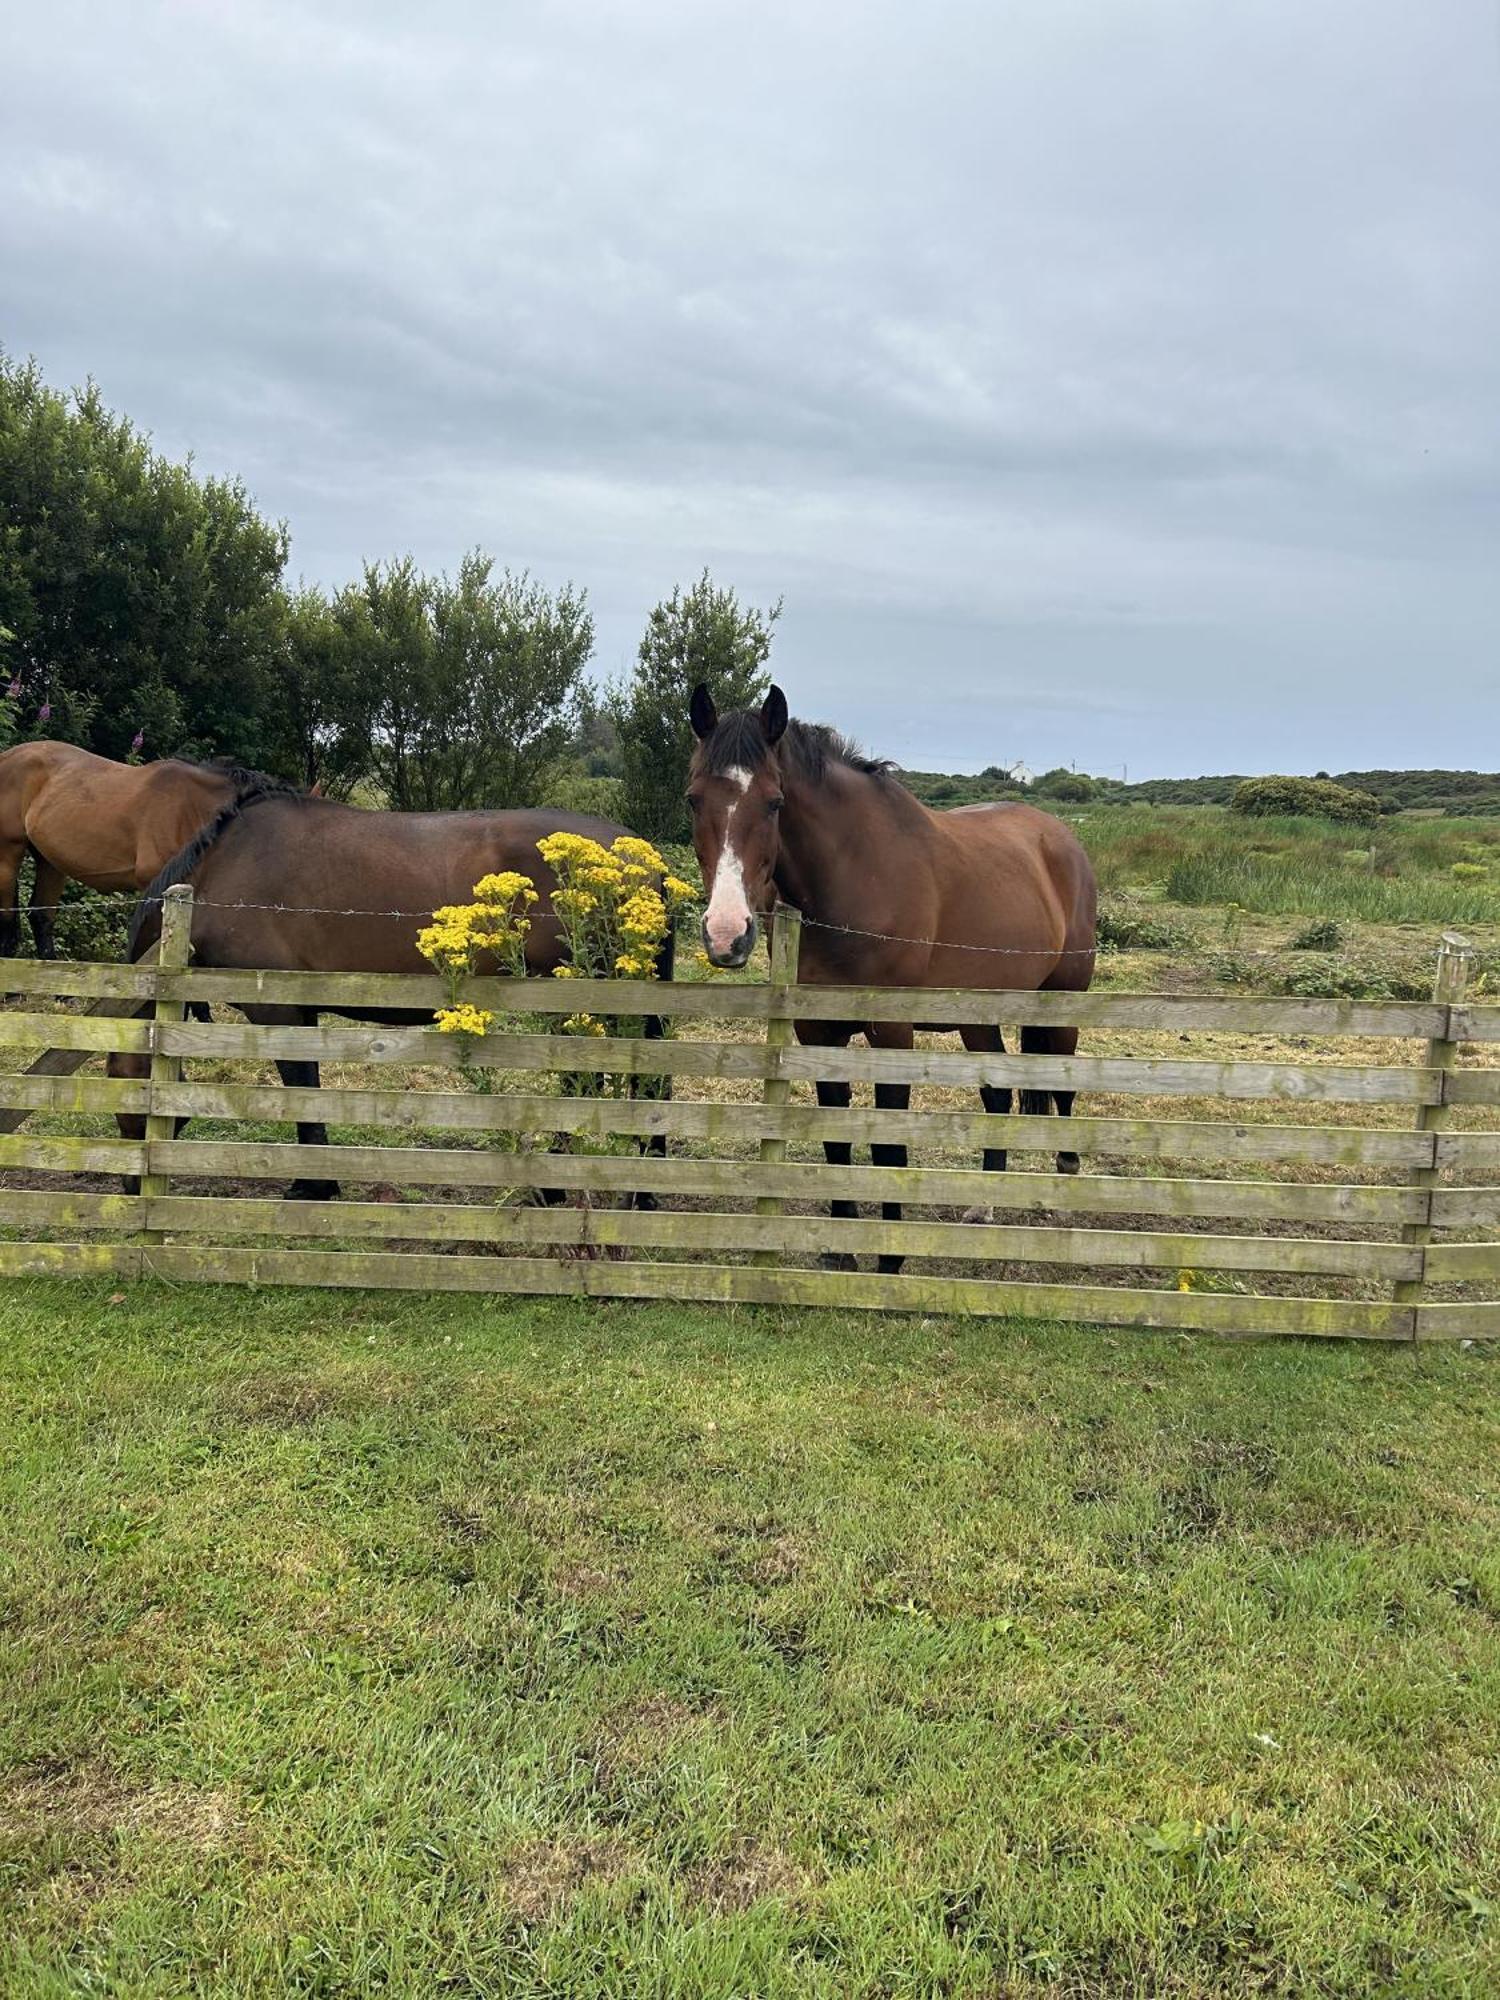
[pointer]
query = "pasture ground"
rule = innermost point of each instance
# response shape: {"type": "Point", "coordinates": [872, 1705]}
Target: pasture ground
{"type": "Point", "coordinates": [360, 1644]}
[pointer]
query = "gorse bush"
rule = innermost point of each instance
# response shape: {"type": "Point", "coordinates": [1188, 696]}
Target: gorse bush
{"type": "Point", "coordinates": [1316, 798]}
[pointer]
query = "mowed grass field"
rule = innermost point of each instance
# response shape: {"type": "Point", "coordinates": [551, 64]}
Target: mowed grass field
{"type": "Point", "coordinates": [377, 1645]}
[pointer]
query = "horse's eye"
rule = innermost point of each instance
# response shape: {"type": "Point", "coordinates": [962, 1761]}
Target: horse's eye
{"type": "Point", "coordinates": [775, 805]}
{"type": "Point", "coordinates": [695, 800]}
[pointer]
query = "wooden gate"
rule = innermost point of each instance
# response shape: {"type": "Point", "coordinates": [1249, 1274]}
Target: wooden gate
{"type": "Point", "coordinates": [1239, 1173]}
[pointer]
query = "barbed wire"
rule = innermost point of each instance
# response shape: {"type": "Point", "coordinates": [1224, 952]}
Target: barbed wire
{"type": "Point", "coordinates": [809, 923]}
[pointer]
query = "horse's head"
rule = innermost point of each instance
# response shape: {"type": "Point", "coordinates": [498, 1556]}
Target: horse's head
{"type": "Point", "coordinates": [734, 789]}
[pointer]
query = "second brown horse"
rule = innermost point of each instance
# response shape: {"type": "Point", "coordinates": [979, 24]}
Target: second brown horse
{"type": "Point", "coordinates": [892, 894]}
{"type": "Point", "coordinates": [107, 825]}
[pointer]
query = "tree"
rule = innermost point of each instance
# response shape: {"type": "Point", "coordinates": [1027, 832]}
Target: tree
{"type": "Point", "coordinates": [142, 598]}
{"type": "Point", "coordinates": [470, 685]}
{"type": "Point", "coordinates": [324, 737]}
{"type": "Point", "coordinates": [703, 634]}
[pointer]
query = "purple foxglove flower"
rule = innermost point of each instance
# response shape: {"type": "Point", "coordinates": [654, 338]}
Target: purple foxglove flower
{"type": "Point", "coordinates": [14, 690]}
{"type": "Point", "coordinates": [137, 741]}
{"type": "Point", "coordinates": [44, 713]}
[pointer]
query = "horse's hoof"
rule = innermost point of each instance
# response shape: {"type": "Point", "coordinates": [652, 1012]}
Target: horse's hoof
{"type": "Point", "coordinates": [1067, 1163]}
{"type": "Point", "coordinates": [837, 1260]}
{"type": "Point", "coordinates": [977, 1215]}
{"type": "Point", "coordinates": [313, 1191]}
{"type": "Point", "coordinates": [646, 1203]}
{"type": "Point", "coordinates": [889, 1267]}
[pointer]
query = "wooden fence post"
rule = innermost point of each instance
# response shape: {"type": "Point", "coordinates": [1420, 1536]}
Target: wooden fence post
{"type": "Point", "coordinates": [1449, 984]}
{"type": "Point", "coordinates": [172, 953]}
{"type": "Point", "coordinates": [786, 949]}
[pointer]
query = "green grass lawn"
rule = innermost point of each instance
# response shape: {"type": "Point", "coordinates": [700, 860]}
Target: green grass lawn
{"type": "Point", "coordinates": [375, 1645]}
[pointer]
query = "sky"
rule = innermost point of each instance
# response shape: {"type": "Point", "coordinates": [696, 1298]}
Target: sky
{"type": "Point", "coordinates": [1098, 382]}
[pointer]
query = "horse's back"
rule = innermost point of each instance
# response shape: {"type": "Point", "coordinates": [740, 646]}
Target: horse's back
{"type": "Point", "coordinates": [302, 883]}
{"type": "Point", "coordinates": [1018, 899]}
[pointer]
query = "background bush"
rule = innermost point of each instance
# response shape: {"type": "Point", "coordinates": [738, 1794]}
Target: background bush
{"type": "Point", "coordinates": [1315, 798]}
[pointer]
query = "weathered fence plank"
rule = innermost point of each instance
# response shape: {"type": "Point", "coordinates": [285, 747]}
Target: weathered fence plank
{"type": "Point", "coordinates": [1466, 1207]}
{"type": "Point", "coordinates": [95, 1033]}
{"type": "Point", "coordinates": [619, 1055]}
{"type": "Point", "coordinates": [697, 1230]}
{"type": "Point", "coordinates": [65, 1208]}
{"type": "Point", "coordinates": [716, 1000]}
{"type": "Point", "coordinates": [82, 1095]}
{"type": "Point", "coordinates": [1477, 1319]}
{"type": "Point", "coordinates": [1119, 1194]}
{"type": "Point", "coordinates": [72, 1156]}
{"type": "Point", "coordinates": [685, 1118]}
{"type": "Point", "coordinates": [1454, 1263]}
{"type": "Point", "coordinates": [82, 979]}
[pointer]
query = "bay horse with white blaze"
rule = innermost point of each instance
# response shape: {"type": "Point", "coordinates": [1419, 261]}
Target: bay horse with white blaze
{"type": "Point", "coordinates": [87, 819]}
{"type": "Point", "coordinates": [891, 892]}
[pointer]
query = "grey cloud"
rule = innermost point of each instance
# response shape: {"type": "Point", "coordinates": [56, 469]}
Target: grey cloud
{"type": "Point", "coordinates": [1115, 376]}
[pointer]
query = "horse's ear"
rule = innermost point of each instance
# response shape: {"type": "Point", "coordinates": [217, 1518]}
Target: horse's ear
{"type": "Point", "coordinates": [702, 713]}
{"type": "Point", "coordinates": [773, 716]}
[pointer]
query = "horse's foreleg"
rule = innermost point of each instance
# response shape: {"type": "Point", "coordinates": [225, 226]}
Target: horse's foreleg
{"type": "Point", "coordinates": [1037, 1103]}
{"type": "Point", "coordinates": [46, 894]}
{"type": "Point", "coordinates": [298, 1074]}
{"type": "Point", "coordinates": [132, 1125]}
{"type": "Point", "coordinates": [310, 1132]}
{"type": "Point", "coordinates": [890, 1097]}
{"type": "Point", "coordinates": [837, 1152]}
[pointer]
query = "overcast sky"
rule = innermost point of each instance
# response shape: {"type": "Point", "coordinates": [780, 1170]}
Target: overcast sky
{"type": "Point", "coordinates": [1114, 382]}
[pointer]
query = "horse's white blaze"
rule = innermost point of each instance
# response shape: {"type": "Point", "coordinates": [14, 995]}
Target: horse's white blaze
{"type": "Point", "coordinates": [728, 914]}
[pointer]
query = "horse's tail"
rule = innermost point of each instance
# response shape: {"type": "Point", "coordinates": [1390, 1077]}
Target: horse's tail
{"type": "Point", "coordinates": [145, 924]}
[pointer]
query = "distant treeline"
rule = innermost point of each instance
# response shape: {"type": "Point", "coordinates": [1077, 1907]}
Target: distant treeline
{"type": "Point", "coordinates": [1460, 794]}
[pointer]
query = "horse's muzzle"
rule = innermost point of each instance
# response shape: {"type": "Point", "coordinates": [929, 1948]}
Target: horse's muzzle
{"type": "Point", "coordinates": [738, 953]}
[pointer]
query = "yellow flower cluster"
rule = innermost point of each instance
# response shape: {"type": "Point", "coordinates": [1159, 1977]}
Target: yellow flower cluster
{"type": "Point", "coordinates": [464, 1019]}
{"type": "Point", "coordinates": [583, 1024]}
{"type": "Point", "coordinates": [614, 906]}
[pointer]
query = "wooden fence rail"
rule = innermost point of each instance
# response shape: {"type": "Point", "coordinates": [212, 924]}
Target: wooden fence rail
{"type": "Point", "coordinates": [1261, 1188]}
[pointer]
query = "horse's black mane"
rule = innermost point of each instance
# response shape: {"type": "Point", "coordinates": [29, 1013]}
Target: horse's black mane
{"type": "Point", "coordinates": [243, 777]}
{"type": "Point", "coordinates": [739, 742]}
{"type": "Point", "coordinates": [251, 787]}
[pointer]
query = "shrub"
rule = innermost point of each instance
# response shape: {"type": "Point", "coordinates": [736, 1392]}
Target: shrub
{"type": "Point", "coordinates": [1338, 979]}
{"type": "Point", "coordinates": [1312, 798]}
{"type": "Point", "coordinates": [1123, 927]}
{"type": "Point", "coordinates": [90, 925]}
{"type": "Point", "coordinates": [1324, 934]}
{"type": "Point", "coordinates": [1070, 787]}
{"type": "Point", "coordinates": [574, 790]}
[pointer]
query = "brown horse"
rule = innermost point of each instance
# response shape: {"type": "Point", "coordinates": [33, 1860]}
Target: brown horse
{"type": "Point", "coordinates": [290, 882]}
{"type": "Point", "coordinates": [107, 825]}
{"type": "Point", "coordinates": [892, 893]}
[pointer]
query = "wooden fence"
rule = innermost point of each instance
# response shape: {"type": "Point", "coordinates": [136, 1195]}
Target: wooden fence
{"type": "Point", "coordinates": [1307, 1195]}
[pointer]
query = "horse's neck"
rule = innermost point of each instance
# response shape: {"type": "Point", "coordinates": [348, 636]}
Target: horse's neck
{"type": "Point", "coordinates": [836, 835]}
